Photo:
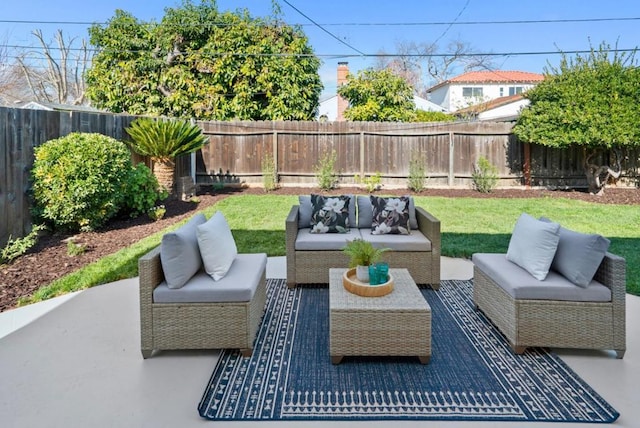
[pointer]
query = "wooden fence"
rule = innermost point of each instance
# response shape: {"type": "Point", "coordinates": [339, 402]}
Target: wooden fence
{"type": "Point", "coordinates": [236, 149]}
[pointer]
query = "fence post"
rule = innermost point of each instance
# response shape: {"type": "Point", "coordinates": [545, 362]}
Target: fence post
{"type": "Point", "coordinates": [452, 159]}
{"type": "Point", "coordinates": [274, 148]}
{"type": "Point", "coordinates": [362, 154]}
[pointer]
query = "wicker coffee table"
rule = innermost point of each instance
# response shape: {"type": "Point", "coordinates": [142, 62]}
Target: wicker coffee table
{"type": "Point", "coordinates": [396, 324]}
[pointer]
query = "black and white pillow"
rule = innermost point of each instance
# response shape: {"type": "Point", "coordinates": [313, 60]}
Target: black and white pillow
{"type": "Point", "coordinates": [329, 214]}
{"type": "Point", "coordinates": [390, 215]}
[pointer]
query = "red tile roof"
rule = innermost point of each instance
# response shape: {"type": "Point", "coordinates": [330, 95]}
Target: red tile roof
{"type": "Point", "coordinates": [496, 76]}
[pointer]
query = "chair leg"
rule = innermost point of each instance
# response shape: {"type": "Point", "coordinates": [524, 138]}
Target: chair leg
{"type": "Point", "coordinates": [518, 350]}
{"type": "Point", "coordinates": [246, 352]}
{"type": "Point", "coordinates": [146, 353]}
{"type": "Point", "coordinates": [620, 353]}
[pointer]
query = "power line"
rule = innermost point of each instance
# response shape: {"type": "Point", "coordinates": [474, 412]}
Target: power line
{"type": "Point", "coordinates": [368, 24]}
{"type": "Point", "coordinates": [324, 29]}
{"type": "Point", "coordinates": [446, 30]}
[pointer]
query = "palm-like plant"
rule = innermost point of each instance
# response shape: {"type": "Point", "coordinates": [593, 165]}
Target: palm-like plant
{"type": "Point", "coordinates": [163, 140]}
{"type": "Point", "coordinates": [363, 253]}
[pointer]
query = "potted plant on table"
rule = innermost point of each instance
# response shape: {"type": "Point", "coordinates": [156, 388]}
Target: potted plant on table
{"type": "Point", "coordinates": [362, 254]}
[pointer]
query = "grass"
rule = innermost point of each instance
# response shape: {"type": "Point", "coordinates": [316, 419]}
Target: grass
{"type": "Point", "coordinates": [468, 225]}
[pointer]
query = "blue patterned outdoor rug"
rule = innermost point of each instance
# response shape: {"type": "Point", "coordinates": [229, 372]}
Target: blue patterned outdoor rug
{"type": "Point", "coordinates": [473, 374]}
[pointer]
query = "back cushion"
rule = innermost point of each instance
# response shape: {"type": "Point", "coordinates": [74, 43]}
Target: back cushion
{"type": "Point", "coordinates": [180, 254]}
{"type": "Point", "coordinates": [305, 209]}
{"type": "Point", "coordinates": [365, 213]}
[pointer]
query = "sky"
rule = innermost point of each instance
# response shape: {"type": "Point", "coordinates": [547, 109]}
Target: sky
{"type": "Point", "coordinates": [342, 31]}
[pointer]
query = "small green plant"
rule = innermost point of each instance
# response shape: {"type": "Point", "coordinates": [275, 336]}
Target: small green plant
{"type": "Point", "coordinates": [142, 191]}
{"type": "Point", "coordinates": [19, 246]}
{"type": "Point", "coordinates": [417, 178]}
{"type": "Point", "coordinates": [269, 173]}
{"type": "Point", "coordinates": [363, 253]}
{"type": "Point", "coordinates": [485, 175]}
{"type": "Point", "coordinates": [157, 213]}
{"type": "Point", "coordinates": [325, 170]}
{"type": "Point", "coordinates": [194, 200]}
{"type": "Point", "coordinates": [74, 249]}
{"type": "Point", "coordinates": [371, 182]}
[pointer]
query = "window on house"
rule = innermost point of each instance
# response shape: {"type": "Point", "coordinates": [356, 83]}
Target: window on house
{"type": "Point", "coordinates": [515, 90]}
{"type": "Point", "coordinates": [469, 92]}
{"type": "Point", "coordinates": [501, 91]}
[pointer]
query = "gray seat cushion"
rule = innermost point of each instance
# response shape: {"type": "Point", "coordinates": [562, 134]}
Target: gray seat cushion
{"type": "Point", "coordinates": [307, 241]}
{"type": "Point", "coordinates": [416, 241]}
{"type": "Point", "coordinates": [238, 285]}
{"type": "Point", "coordinates": [519, 284]}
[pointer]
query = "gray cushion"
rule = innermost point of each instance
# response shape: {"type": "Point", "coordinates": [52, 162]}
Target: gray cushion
{"type": "Point", "coordinates": [416, 241]}
{"type": "Point", "coordinates": [180, 254]}
{"type": "Point", "coordinates": [307, 241]}
{"type": "Point", "coordinates": [217, 246]}
{"type": "Point", "coordinates": [579, 255]}
{"type": "Point", "coordinates": [533, 245]}
{"type": "Point", "coordinates": [365, 213]}
{"type": "Point", "coordinates": [238, 285]}
{"type": "Point", "coordinates": [305, 210]}
{"type": "Point", "coordinates": [520, 285]}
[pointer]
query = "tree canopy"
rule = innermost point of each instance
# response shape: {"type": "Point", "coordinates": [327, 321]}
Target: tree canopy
{"type": "Point", "coordinates": [591, 101]}
{"type": "Point", "coordinates": [202, 63]}
{"type": "Point", "coordinates": [379, 96]}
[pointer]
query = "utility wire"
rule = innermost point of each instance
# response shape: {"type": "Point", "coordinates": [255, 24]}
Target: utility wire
{"type": "Point", "coordinates": [367, 24]}
{"type": "Point", "coordinates": [446, 30]}
{"type": "Point", "coordinates": [324, 29]}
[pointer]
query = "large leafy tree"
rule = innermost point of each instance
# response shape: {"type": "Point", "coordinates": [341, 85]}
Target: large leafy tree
{"type": "Point", "coordinates": [592, 101]}
{"type": "Point", "coordinates": [199, 62]}
{"type": "Point", "coordinates": [378, 96]}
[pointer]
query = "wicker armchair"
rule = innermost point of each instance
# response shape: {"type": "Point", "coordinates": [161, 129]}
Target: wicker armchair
{"type": "Point", "coordinates": [560, 324]}
{"type": "Point", "coordinates": [213, 325]}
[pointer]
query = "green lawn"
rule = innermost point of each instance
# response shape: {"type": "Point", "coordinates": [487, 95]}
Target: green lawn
{"type": "Point", "coordinates": [468, 226]}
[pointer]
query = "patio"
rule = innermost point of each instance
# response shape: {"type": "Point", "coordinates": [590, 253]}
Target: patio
{"type": "Point", "coordinates": [79, 364]}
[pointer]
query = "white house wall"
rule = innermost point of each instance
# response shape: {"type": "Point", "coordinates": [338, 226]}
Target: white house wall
{"type": "Point", "coordinates": [507, 110]}
{"type": "Point", "coordinates": [450, 96]}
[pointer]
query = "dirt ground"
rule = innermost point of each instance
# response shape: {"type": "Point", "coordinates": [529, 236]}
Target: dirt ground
{"type": "Point", "coordinates": [49, 260]}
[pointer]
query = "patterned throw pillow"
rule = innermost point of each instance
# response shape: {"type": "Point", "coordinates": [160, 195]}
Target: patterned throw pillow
{"type": "Point", "coordinates": [329, 214]}
{"type": "Point", "coordinates": [390, 215]}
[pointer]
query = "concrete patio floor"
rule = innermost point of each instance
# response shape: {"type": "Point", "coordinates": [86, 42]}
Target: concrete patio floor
{"type": "Point", "coordinates": [75, 362]}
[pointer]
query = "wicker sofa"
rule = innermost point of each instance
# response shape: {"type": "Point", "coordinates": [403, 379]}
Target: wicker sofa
{"type": "Point", "coordinates": [202, 313]}
{"type": "Point", "coordinates": [309, 262]}
{"type": "Point", "coordinates": [554, 312]}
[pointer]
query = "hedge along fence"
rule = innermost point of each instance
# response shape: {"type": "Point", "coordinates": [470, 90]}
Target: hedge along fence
{"type": "Point", "coordinates": [236, 149]}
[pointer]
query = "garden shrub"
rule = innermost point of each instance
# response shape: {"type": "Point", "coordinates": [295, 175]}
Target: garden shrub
{"type": "Point", "coordinates": [485, 175]}
{"type": "Point", "coordinates": [141, 191]}
{"type": "Point", "coordinates": [79, 181]}
{"type": "Point", "coordinates": [325, 171]}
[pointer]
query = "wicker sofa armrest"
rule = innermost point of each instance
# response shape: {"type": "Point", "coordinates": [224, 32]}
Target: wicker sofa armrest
{"type": "Point", "coordinates": [151, 275]}
{"type": "Point", "coordinates": [612, 273]}
{"type": "Point", "coordinates": [429, 226]}
{"type": "Point", "coordinates": [291, 233]}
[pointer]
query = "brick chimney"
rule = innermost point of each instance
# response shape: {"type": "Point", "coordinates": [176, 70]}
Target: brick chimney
{"type": "Point", "coordinates": [343, 71]}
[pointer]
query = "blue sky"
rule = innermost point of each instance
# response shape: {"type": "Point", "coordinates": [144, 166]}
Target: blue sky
{"type": "Point", "coordinates": [357, 27]}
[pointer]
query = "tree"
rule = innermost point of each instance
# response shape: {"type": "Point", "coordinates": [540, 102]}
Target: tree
{"type": "Point", "coordinates": [201, 63]}
{"type": "Point", "coordinates": [591, 101]}
{"type": "Point", "coordinates": [162, 141]}
{"type": "Point", "coordinates": [423, 65]}
{"type": "Point", "coordinates": [379, 96]}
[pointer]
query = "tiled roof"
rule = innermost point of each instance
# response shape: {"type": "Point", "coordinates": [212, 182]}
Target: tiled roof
{"type": "Point", "coordinates": [496, 76]}
{"type": "Point", "coordinates": [491, 104]}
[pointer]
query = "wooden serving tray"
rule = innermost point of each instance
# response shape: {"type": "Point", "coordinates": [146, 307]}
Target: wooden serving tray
{"type": "Point", "coordinates": [355, 286]}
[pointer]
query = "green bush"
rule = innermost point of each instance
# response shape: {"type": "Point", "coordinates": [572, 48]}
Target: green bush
{"type": "Point", "coordinates": [433, 116]}
{"type": "Point", "coordinates": [325, 170]}
{"type": "Point", "coordinates": [141, 191]}
{"type": "Point", "coordinates": [269, 173]}
{"type": "Point", "coordinates": [417, 172]}
{"type": "Point", "coordinates": [79, 181]}
{"type": "Point", "coordinates": [19, 246]}
{"type": "Point", "coordinates": [485, 175]}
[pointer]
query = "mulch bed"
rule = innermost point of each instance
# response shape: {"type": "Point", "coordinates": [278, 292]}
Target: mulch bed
{"type": "Point", "coordinates": [49, 260]}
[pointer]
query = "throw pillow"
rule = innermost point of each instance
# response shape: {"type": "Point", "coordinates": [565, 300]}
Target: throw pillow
{"type": "Point", "coordinates": [217, 246]}
{"type": "Point", "coordinates": [579, 255]}
{"type": "Point", "coordinates": [304, 213]}
{"type": "Point", "coordinates": [330, 214]}
{"type": "Point", "coordinates": [390, 215]}
{"type": "Point", "coordinates": [533, 245]}
{"type": "Point", "coordinates": [365, 213]}
{"type": "Point", "coordinates": [180, 254]}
